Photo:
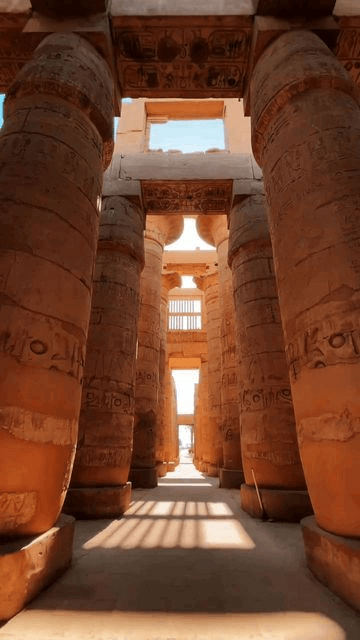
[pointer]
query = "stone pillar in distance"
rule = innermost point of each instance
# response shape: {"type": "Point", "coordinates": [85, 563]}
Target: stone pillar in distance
{"type": "Point", "coordinates": [99, 483]}
{"type": "Point", "coordinates": [213, 229]}
{"type": "Point", "coordinates": [160, 230]}
{"type": "Point", "coordinates": [169, 280]}
{"type": "Point", "coordinates": [56, 140]}
{"type": "Point", "coordinates": [209, 283]}
{"type": "Point", "coordinates": [270, 453]}
{"type": "Point", "coordinates": [311, 170]}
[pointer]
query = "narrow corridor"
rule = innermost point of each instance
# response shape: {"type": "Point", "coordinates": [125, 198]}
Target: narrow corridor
{"type": "Point", "coordinates": [185, 563]}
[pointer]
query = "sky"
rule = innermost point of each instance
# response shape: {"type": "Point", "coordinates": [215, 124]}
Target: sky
{"type": "Point", "coordinates": [188, 135]}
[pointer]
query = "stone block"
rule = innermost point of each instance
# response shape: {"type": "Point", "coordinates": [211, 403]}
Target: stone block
{"type": "Point", "coordinates": [98, 502]}
{"type": "Point", "coordinates": [230, 478]}
{"type": "Point", "coordinates": [334, 560]}
{"type": "Point", "coordinates": [28, 565]}
{"type": "Point", "coordinates": [278, 504]}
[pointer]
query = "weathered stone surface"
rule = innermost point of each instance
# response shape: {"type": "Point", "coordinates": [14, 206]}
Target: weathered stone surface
{"type": "Point", "coordinates": [214, 230]}
{"type": "Point", "coordinates": [311, 173]}
{"type": "Point", "coordinates": [98, 502]}
{"type": "Point", "coordinates": [159, 231]}
{"type": "Point", "coordinates": [209, 283]}
{"type": "Point", "coordinates": [69, 7]}
{"type": "Point", "coordinates": [28, 565]}
{"type": "Point", "coordinates": [268, 434]}
{"type": "Point", "coordinates": [104, 447]}
{"type": "Point", "coordinates": [306, 8]}
{"type": "Point", "coordinates": [275, 504]}
{"type": "Point", "coordinates": [51, 154]}
{"type": "Point", "coordinates": [334, 560]}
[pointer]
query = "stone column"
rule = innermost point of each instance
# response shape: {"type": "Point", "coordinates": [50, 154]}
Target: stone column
{"type": "Point", "coordinates": [268, 434]}
{"type": "Point", "coordinates": [171, 407]}
{"type": "Point", "coordinates": [164, 432]}
{"type": "Point", "coordinates": [160, 230]}
{"type": "Point", "coordinates": [209, 283]}
{"type": "Point", "coordinates": [213, 229]}
{"type": "Point", "coordinates": [56, 139]}
{"type": "Point", "coordinates": [99, 480]}
{"type": "Point", "coordinates": [311, 170]}
{"type": "Point", "coordinates": [202, 428]}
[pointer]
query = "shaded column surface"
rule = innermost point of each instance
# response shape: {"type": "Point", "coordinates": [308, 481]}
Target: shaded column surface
{"type": "Point", "coordinates": [160, 230]}
{"type": "Point", "coordinates": [311, 170]}
{"type": "Point", "coordinates": [164, 432]}
{"type": "Point", "coordinates": [203, 441]}
{"type": "Point", "coordinates": [102, 463]}
{"type": "Point", "coordinates": [209, 283]}
{"type": "Point", "coordinates": [56, 138]}
{"type": "Point", "coordinates": [214, 230]}
{"type": "Point", "coordinates": [173, 452]}
{"type": "Point", "coordinates": [269, 446]}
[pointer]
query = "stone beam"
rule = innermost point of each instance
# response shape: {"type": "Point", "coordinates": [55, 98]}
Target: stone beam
{"type": "Point", "coordinates": [284, 8]}
{"type": "Point", "coordinates": [69, 8]}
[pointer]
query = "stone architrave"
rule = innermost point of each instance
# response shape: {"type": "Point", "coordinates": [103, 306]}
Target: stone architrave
{"type": "Point", "coordinates": [99, 486]}
{"type": "Point", "coordinates": [305, 130]}
{"type": "Point", "coordinates": [169, 281]}
{"type": "Point", "coordinates": [270, 453]}
{"type": "Point", "coordinates": [160, 230]}
{"type": "Point", "coordinates": [54, 144]}
{"type": "Point", "coordinates": [209, 283]}
{"type": "Point", "coordinates": [214, 230]}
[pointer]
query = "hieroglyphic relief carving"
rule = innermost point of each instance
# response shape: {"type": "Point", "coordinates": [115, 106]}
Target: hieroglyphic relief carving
{"type": "Point", "coordinates": [174, 60]}
{"type": "Point", "coordinates": [348, 51]}
{"type": "Point", "coordinates": [16, 509]}
{"type": "Point", "coordinates": [259, 399]}
{"type": "Point", "coordinates": [193, 196]}
{"type": "Point", "coordinates": [15, 50]}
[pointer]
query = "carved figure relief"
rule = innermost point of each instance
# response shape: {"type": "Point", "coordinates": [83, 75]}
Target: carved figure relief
{"type": "Point", "coordinates": [193, 196]}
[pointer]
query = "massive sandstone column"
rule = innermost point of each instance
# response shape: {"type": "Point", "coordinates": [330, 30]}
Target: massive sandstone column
{"type": "Point", "coordinates": [306, 131]}
{"type": "Point", "coordinates": [214, 230]}
{"type": "Point", "coordinates": [160, 230]}
{"type": "Point", "coordinates": [55, 141]}
{"type": "Point", "coordinates": [164, 432]}
{"type": "Point", "coordinates": [209, 283]}
{"type": "Point", "coordinates": [103, 456]}
{"type": "Point", "coordinates": [268, 434]}
{"type": "Point", "coordinates": [203, 441]}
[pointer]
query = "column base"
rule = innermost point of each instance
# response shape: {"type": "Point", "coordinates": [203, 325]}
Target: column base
{"type": "Point", "coordinates": [161, 469]}
{"type": "Point", "coordinates": [171, 466]}
{"type": "Point", "coordinates": [29, 565]}
{"type": "Point", "coordinates": [230, 478]}
{"type": "Point", "coordinates": [86, 503]}
{"type": "Point", "coordinates": [203, 467]}
{"type": "Point", "coordinates": [143, 478]}
{"type": "Point", "coordinates": [288, 505]}
{"type": "Point", "coordinates": [334, 560]}
{"type": "Point", "coordinates": [212, 470]}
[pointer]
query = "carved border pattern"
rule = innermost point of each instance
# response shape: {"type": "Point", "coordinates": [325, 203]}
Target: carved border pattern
{"type": "Point", "coordinates": [192, 196]}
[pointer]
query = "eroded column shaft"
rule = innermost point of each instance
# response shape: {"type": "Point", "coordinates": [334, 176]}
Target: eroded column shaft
{"type": "Point", "coordinates": [306, 132]}
{"type": "Point", "coordinates": [268, 434]}
{"type": "Point", "coordinates": [57, 132]}
{"type": "Point", "coordinates": [104, 448]}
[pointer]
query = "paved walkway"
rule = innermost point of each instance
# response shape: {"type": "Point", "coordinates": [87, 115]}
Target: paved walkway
{"type": "Point", "coordinates": [186, 563]}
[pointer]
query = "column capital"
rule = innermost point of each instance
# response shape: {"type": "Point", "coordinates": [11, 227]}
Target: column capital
{"type": "Point", "coordinates": [212, 229]}
{"type": "Point", "coordinates": [169, 281]}
{"type": "Point", "coordinates": [164, 229]}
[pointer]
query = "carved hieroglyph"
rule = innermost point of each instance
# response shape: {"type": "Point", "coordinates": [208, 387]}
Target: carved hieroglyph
{"type": "Point", "coordinates": [179, 59]}
{"type": "Point", "coordinates": [214, 229]}
{"type": "Point", "coordinates": [51, 153]}
{"type": "Point", "coordinates": [268, 434]}
{"type": "Point", "coordinates": [209, 283]}
{"type": "Point", "coordinates": [312, 179]}
{"type": "Point", "coordinates": [187, 196]}
{"type": "Point", "coordinates": [159, 231]}
{"type": "Point", "coordinates": [107, 413]}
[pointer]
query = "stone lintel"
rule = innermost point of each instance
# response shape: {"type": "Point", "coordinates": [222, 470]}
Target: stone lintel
{"type": "Point", "coordinates": [69, 8]}
{"type": "Point", "coordinates": [334, 560]}
{"type": "Point", "coordinates": [278, 504]}
{"type": "Point", "coordinates": [187, 196]}
{"type": "Point", "coordinates": [87, 503]}
{"type": "Point", "coordinates": [284, 8]}
{"type": "Point", "coordinates": [268, 29]}
{"type": "Point", "coordinates": [28, 565]}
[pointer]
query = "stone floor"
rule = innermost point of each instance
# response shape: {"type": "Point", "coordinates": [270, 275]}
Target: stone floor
{"type": "Point", "coordinates": [186, 563]}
